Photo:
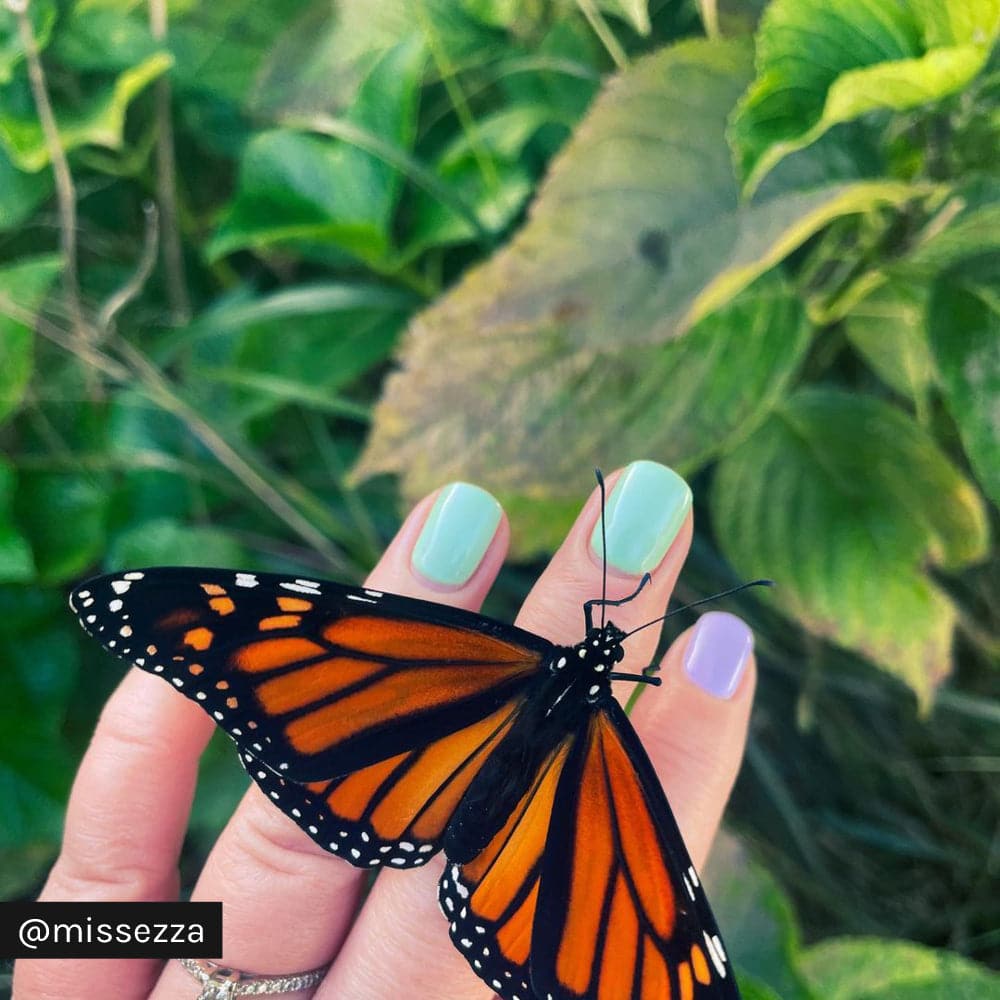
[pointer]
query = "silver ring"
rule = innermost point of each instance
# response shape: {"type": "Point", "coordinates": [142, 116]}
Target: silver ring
{"type": "Point", "coordinates": [220, 982]}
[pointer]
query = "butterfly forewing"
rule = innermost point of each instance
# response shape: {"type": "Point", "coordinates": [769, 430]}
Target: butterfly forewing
{"type": "Point", "coordinates": [355, 711]}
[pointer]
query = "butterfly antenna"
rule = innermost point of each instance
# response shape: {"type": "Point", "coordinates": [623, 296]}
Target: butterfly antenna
{"type": "Point", "coordinates": [604, 549]}
{"type": "Point", "coordinates": [704, 600]}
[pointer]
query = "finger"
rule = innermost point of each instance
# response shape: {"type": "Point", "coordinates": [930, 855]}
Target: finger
{"type": "Point", "coordinates": [288, 903]}
{"type": "Point", "coordinates": [694, 727]}
{"type": "Point", "coordinates": [125, 826]}
{"type": "Point", "coordinates": [400, 945]}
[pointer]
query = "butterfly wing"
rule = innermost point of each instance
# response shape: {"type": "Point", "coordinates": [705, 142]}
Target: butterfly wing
{"type": "Point", "coordinates": [355, 710]}
{"type": "Point", "coordinates": [590, 893]}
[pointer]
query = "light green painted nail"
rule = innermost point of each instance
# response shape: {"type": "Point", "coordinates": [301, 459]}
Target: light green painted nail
{"type": "Point", "coordinates": [456, 534]}
{"type": "Point", "coordinates": [644, 513]}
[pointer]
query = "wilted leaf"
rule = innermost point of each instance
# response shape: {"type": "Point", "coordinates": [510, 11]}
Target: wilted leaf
{"type": "Point", "coordinates": [531, 415]}
{"type": "Point", "coordinates": [762, 936]}
{"type": "Point", "coordinates": [23, 287]}
{"type": "Point", "coordinates": [16, 563]}
{"type": "Point", "coordinates": [964, 321]}
{"type": "Point", "coordinates": [98, 121]}
{"type": "Point", "coordinates": [842, 500]}
{"type": "Point", "coordinates": [818, 65]}
{"type": "Point", "coordinates": [303, 187]}
{"type": "Point", "coordinates": [880, 969]}
{"type": "Point", "coordinates": [888, 328]}
{"type": "Point", "coordinates": [638, 232]}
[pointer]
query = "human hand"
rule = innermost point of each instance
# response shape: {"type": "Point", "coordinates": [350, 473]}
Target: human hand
{"type": "Point", "coordinates": [289, 906]}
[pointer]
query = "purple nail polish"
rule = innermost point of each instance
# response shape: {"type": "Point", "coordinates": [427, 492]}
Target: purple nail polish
{"type": "Point", "coordinates": [717, 653]}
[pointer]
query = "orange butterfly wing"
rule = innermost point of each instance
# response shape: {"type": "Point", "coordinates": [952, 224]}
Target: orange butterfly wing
{"type": "Point", "coordinates": [589, 894]}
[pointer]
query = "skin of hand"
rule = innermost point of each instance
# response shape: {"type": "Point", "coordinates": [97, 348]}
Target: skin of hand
{"type": "Point", "coordinates": [289, 906]}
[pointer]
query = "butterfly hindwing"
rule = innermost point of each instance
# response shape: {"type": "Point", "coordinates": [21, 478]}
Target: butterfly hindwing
{"type": "Point", "coordinates": [393, 812]}
{"type": "Point", "coordinates": [589, 893]}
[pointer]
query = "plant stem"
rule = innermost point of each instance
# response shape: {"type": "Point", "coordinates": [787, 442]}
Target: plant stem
{"type": "Point", "coordinates": [600, 28]}
{"type": "Point", "coordinates": [166, 181]}
{"type": "Point", "coordinates": [65, 191]}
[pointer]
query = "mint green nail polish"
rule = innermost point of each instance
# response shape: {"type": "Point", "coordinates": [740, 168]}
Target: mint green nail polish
{"type": "Point", "coordinates": [456, 534]}
{"type": "Point", "coordinates": [644, 513]}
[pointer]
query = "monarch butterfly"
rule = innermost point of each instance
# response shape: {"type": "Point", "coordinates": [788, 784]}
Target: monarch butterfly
{"type": "Point", "coordinates": [390, 728]}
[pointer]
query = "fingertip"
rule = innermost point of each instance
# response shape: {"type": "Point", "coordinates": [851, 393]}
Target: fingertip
{"type": "Point", "coordinates": [449, 549]}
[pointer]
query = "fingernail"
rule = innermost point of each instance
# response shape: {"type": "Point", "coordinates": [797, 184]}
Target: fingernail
{"type": "Point", "coordinates": [644, 513]}
{"type": "Point", "coordinates": [456, 534]}
{"type": "Point", "coordinates": [718, 653]}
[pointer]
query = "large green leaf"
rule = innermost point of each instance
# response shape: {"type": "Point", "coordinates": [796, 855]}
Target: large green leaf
{"type": "Point", "coordinates": [299, 187]}
{"type": "Point", "coordinates": [877, 969]}
{"type": "Point", "coordinates": [888, 328]}
{"type": "Point", "coordinates": [23, 287]}
{"type": "Point", "coordinates": [964, 321]}
{"type": "Point", "coordinates": [99, 120]}
{"type": "Point", "coordinates": [843, 500]}
{"type": "Point", "coordinates": [820, 64]}
{"type": "Point", "coordinates": [638, 231]}
{"type": "Point", "coordinates": [531, 415]}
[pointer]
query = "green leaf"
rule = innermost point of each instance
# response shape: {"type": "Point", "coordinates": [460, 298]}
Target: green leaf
{"type": "Point", "coordinates": [878, 969]}
{"type": "Point", "coordinates": [485, 173]}
{"type": "Point", "coordinates": [638, 231]}
{"type": "Point", "coordinates": [16, 562]}
{"type": "Point", "coordinates": [63, 516]}
{"type": "Point", "coordinates": [20, 193]}
{"type": "Point", "coordinates": [964, 319]}
{"type": "Point", "coordinates": [888, 328]}
{"type": "Point", "coordinates": [819, 65]}
{"type": "Point", "coordinates": [762, 936]}
{"type": "Point", "coordinates": [844, 500]}
{"type": "Point", "coordinates": [162, 541]}
{"type": "Point", "coordinates": [40, 654]}
{"type": "Point", "coordinates": [23, 287]}
{"type": "Point", "coordinates": [299, 187]}
{"type": "Point", "coordinates": [529, 416]}
{"type": "Point", "coordinates": [220, 48]}
{"type": "Point", "coordinates": [321, 60]}
{"type": "Point", "coordinates": [42, 14]}
{"type": "Point", "coordinates": [104, 37]}
{"type": "Point", "coordinates": [98, 121]}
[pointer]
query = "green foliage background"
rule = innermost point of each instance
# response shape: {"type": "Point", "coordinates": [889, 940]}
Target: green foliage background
{"type": "Point", "coordinates": [270, 271]}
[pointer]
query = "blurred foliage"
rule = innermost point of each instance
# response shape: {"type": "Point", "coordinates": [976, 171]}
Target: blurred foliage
{"type": "Point", "coordinates": [255, 257]}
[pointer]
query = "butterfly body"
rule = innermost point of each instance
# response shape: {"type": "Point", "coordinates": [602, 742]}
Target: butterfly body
{"type": "Point", "coordinates": [389, 729]}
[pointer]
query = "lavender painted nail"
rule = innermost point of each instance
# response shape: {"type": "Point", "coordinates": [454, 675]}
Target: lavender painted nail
{"type": "Point", "coordinates": [718, 652]}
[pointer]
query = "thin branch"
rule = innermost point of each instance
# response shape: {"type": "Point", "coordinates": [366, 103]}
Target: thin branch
{"type": "Point", "coordinates": [65, 192]}
{"type": "Point", "coordinates": [166, 181]}
{"type": "Point", "coordinates": [147, 260]}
